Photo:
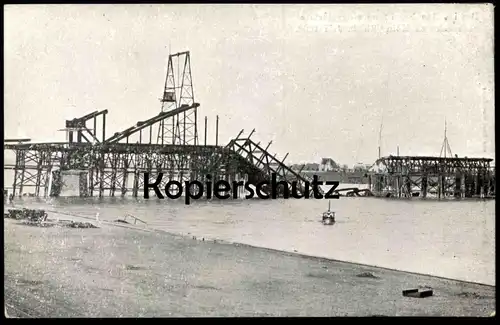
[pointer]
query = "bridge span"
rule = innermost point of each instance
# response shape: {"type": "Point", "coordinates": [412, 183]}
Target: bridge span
{"type": "Point", "coordinates": [165, 143]}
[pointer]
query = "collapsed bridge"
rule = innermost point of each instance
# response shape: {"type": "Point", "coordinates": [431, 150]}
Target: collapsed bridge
{"type": "Point", "coordinates": [166, 143]}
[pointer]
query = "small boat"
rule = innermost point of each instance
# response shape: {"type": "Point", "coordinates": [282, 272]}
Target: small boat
{"type": "Point", "coordinates": [328, 216]}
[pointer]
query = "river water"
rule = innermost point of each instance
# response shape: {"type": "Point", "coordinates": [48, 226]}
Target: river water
{"type": "Point", "coordinates": [453, 239]}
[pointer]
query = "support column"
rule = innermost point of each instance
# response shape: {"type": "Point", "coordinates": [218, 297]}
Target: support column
{"type": "Point", "coordinates": [458, 186]}
{"type": "Point", "coordinates": [101, 175]}
{"type": "Point", "coordinates": [424, 186]}
{"type": "Point", "coordinates": [440, 186]}
{"type": "Point", "coordinates": [462, 186]}
{"type": "Point", "coordinates": [468, 185]}
{"type": "Point", "coordinates": [479, 183]}
{"type": "Point", "coordinates": [408, 186]}
{"type": "Point", "coordinates": [135, 189]}
{"type": "Point", "coordinates": [23, 171]}
{"type": "Point", "coordinates": [486, 183]}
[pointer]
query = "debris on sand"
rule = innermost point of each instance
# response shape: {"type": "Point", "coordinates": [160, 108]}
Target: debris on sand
{"type": "Point", "coordinates": [133, 267]}
{"type": "Point", "coordinates": [33, 215]}
{"type": "Point", "coordinates": [38, 224]}
{"type": "Point", "coordinates": [58, 223]}
{"type": "Point", "coordinates": [135, 219]}
{"type": "Point", "coordinates": [418, 293]}
{"type": "Point", "coordinates": [470, 295]}
{"type": "Point", "coordinates": [367, 275]}
{"type": "Point", "coordinates": [76, 224]}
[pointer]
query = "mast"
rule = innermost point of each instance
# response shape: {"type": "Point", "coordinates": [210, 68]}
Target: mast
{"type": "Point", "coordinates": [445, 148]}
{"type": "Point", "coordinates": [380, 136]}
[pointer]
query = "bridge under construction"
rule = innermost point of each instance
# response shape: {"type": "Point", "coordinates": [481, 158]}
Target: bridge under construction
{"type": "Point", "coordinates": [441, 177]}
{"type": "Point", "coordinates": [166, 143]}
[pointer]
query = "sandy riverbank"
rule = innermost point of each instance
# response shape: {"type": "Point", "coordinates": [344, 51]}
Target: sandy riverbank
{"type": "Point", "coordinates": [115, 271]}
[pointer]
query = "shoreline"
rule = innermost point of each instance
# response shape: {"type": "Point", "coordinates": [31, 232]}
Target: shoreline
{"type": "Point", "coordinates": [178, 276]}
{"type": "Point", "coordinates": [291, 253]}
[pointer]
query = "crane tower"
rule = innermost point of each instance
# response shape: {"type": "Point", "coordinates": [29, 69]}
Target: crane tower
{"type": "Point", "coordinates": [182, 128]}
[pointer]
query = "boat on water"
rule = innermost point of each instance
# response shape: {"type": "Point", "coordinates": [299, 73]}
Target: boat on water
{"type": "Point", "coordinates": [328, 216]}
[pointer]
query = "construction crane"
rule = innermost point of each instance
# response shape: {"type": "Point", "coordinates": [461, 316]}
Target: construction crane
{"type": "Point", "coordinates": [178, 92]}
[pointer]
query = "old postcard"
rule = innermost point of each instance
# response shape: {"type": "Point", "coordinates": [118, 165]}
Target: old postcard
{"type": "Point", "coordinates": [249, 160]}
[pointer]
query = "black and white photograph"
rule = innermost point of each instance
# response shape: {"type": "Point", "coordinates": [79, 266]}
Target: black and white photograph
{"type": "Point", "coordinates": [249, 160]}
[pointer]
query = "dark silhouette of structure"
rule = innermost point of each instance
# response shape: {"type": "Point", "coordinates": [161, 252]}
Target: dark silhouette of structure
{"type": "Point", "coordinates": [166, 143]}
{"type": "Point", "coordinates": [416, 176]}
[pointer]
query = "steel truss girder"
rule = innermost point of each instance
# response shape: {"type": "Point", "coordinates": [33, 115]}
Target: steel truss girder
{"type": "Point", "coordinates": [447, 176]}
{"type": "Point", "coordinates": [118, 169]}
{"type": "Point", "coordinates": [83, 131]}
{"type": "Point", "coordinates": [156, 120]}
{"type": "Point", "coordinates": [260, 159]}
{"type": "Point", "coordinates": [433, 165]}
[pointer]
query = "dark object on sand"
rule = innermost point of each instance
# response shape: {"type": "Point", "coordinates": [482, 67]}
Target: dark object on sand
{"type": "Point", "coordinates": [418, 293]}
{"type": "Point", "coordinates": [135, 219]}
{"type": "Point", "coordinates": [470, 295]}
{"type": "Point", "coordinates": [33, 215]}
{"type": "Point", "coordinates": [76, 224]}
{"type": "Point", "coordinates": [367, 275]}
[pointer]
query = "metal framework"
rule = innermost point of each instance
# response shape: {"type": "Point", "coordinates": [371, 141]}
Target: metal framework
{"type": "Point", "coordinates": [117, 169]}
{"type": "Point", "coordinates": [268, 164]}
{"type": "Point", "coordinates": [79, 125]}
{"type": "Point", "coordinates": [178, 92]}
{"type": "Point", "coordinates": [414, 176]}
{"type": "Point", "coordinates": [116, 165]}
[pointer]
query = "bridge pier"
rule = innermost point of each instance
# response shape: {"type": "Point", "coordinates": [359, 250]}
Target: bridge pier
{"type": "Point", "coordinates": [458, 186]}
{"type": "Point", "coordinates": [408, 186]}
{"type": "Point", "coordinates": [424, 186]}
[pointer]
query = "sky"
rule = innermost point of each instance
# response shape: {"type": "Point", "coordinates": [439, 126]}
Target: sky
{"type": "Point", "coordinates": [317, 80]}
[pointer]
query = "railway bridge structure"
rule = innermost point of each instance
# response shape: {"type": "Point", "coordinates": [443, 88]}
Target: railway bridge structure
{"type": "Point", "coordinates": [439, 177]}
{"type": "Point", "coordinates": [167, 143]}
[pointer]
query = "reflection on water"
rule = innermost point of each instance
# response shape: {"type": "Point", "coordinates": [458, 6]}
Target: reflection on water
{"type": "Point", "coordinates": [451, 239]}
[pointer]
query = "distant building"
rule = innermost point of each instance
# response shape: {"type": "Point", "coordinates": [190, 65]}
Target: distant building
{"type": "Point", "coordinates": [359, 167]}
{"type": "Point", "coordinates": [312, 167]}
{"type": "Point", "coordinates": [305, 167]}
{"type": "Point", "coordinates": [327, 164]}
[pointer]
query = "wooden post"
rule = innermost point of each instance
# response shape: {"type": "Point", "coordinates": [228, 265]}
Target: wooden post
{"type": "Point", "coordinates": [217, 131]}
{"type": "Point", "coordinates": [439, 186]}
{"type": "Point", "coordinates": [205, 131]}
{"type": "Point", "coordinates": [424, 186]}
